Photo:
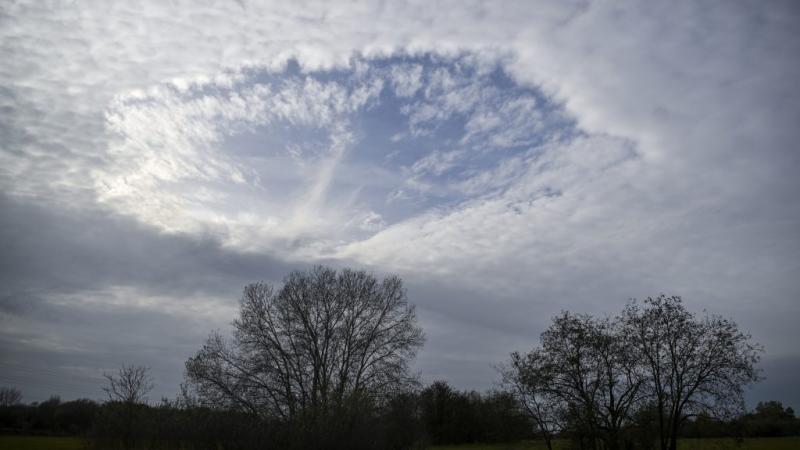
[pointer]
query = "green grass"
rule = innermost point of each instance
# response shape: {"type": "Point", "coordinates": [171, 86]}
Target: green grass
{"type": "Point", "coordinates": [527, 445]}
{"type": "Point", "coordinates": [786, 443]}
{"type": "Point", "coordinates": [40, 443]}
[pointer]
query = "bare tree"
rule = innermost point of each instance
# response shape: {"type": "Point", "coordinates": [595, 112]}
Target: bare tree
{"type": "Point", "coordinates": [695, 365]}
{"type": "Point", "coordinates": [10, 396]}
{"type": "Point", "coordinates": [593, 374]}
{"type": "Point", "coordinates": [582, 377]}
{"type": "Point", "coordinates": [529, 378]}
{"type": "Point", "coordinates": [323, 339]}
{"type": "Point", "coordinates": [130, 384]}
{"type": "Point", "coordinates": [127, 391]}
{"type": "Point", "coordinates": [659, 356]}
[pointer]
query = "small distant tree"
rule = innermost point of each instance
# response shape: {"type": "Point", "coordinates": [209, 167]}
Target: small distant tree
{"type": "Point", "coordinates": [770, 419]}
{"type": "Point", "coordinates": [694, 365]}
{"type": "Point", "coordinates": [127, 393]}
{"type": "Point", "coordinates": [10, 396]}
{"type": "Point", "coordinates": [773, 409]}
{"type": "Point", "coordinates": [437, 403]}
{"type": "Point", "coordinates": [130, 384]}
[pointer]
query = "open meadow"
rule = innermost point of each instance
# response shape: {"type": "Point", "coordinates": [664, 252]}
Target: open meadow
{"type": "Point", "coordinates": [784, 443]}
{"type": "Point", "coordinates": [781, 443]}
{"type": "Point", "coordinates": [41, 443]}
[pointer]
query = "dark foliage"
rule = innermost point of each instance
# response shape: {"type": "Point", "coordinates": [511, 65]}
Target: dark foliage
{"type": "Point", "coordinates": [770, 419]}
{"type": "Point", "coordinates": [169, 426]}
{"type": "Point", "coordinates": [458, 417]}
{"type": "Point", "coordinates": [52, 417]}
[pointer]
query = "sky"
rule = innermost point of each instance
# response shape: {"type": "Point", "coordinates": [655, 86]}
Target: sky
{"type": "Point", "coordinates": [509, 160]}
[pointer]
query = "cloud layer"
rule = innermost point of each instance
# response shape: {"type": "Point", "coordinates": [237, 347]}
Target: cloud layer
{"type": "Point", "coordinates": [507, 161]}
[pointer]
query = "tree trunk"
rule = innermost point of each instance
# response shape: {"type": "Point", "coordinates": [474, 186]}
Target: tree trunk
{"type": "Point", "coordinates": [612, 443]}
{"type": "Point", "coordinates": [548, 442]}
{"type": "Point", "coordinates": [673, 435]}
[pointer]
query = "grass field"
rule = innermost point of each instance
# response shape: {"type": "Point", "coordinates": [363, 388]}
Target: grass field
{"type": "Point", "coordinates": [40, 443]}
{"type": "Point", "coordinates": [787, 443]}
{"type": "Point", "coordinates": [790, 443]}
{"type": "Point", "coordinates": [520, 446]}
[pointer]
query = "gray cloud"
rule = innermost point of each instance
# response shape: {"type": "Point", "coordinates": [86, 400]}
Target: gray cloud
{"type": "Point", "coordinates": [48, 249]}
{"type": "Point", "coordinates": [85, 291]}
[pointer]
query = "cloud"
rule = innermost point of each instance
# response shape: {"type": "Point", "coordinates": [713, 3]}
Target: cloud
{"type": "Point", "coordinates": [406, 79]}
{"type": "Point", "coordinates": [508, 161]}
{"type": "Point", "coordinates": [170, 164]}
{"type": "Point", "coordinates": [91, 290]}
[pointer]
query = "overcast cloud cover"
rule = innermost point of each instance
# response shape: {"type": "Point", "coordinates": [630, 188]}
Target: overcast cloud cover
{"type": "Point", "coordinates": [508, 160]}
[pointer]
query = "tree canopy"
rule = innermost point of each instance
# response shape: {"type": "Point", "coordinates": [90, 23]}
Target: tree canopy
{"type": "Point", "coordinates": [316, 347]}
{"type": "Point", "coordinates": [599, 378]}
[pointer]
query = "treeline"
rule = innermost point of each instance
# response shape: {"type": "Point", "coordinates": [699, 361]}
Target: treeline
{"type": "Point", "coordinates": [767, 419]}
{"type": "Point", "coordinates": [323, 363]}
{"type": "Point", "coordinates": [435, 415]}
{"type": "Point", "coordinates": [51, 417]}
{"type": "Point", "coordinates": [450, 416]}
